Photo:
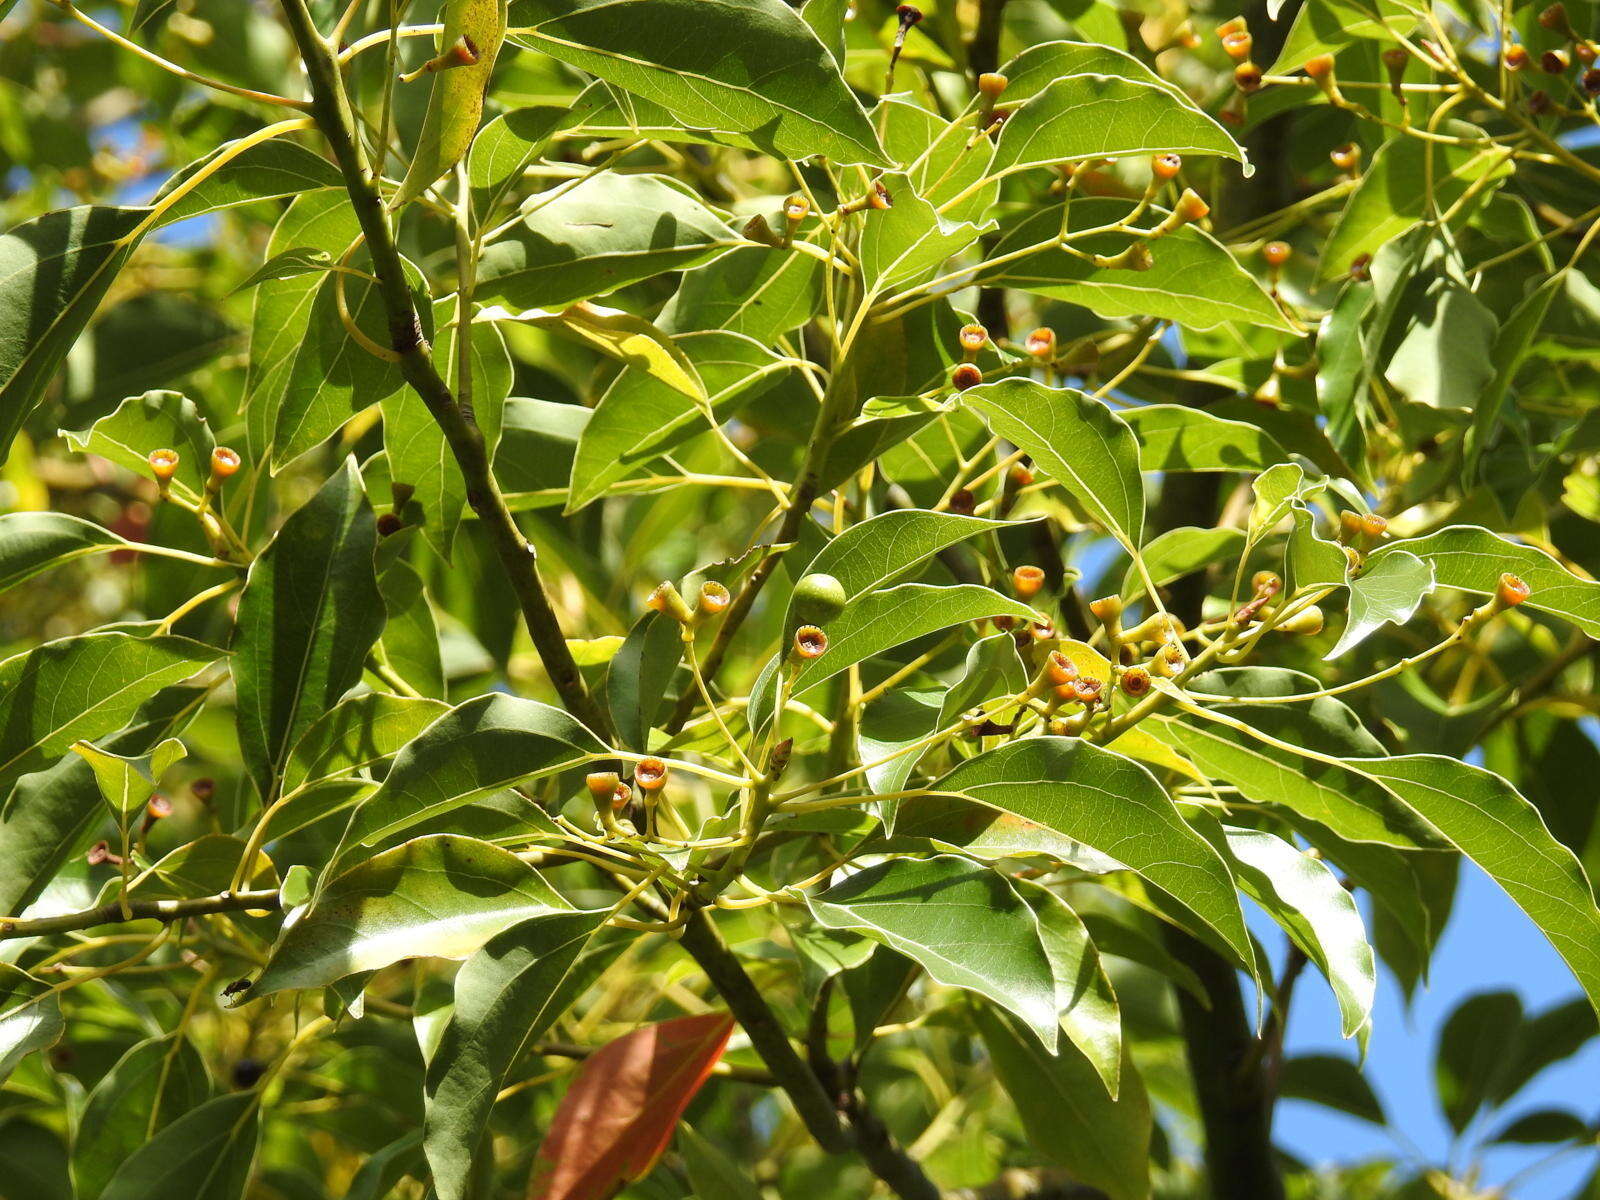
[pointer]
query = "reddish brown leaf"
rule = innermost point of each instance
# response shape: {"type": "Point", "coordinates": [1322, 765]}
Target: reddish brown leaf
{"type": "Point", "coordinates": [620, 1112]}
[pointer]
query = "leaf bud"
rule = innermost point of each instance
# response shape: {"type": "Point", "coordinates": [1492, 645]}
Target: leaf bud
{"type": "Point", "coordinates": [818, 599]}
{"type": "Point", "coordinates": [1266, 583]}
{"type": "Point", "coordinates": [1306, 622]}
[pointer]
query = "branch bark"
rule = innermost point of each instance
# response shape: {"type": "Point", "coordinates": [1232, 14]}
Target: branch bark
{"type": "Point", "coordinates": [330, 108]}
{"type": "Point", "coordinates": [139, 910]}
{"type": "Point", "coordinates": [857, 1128]}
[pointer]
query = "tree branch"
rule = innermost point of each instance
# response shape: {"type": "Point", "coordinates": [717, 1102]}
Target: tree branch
{"type": "Point", "coordinates": [864, 1133]}
{"type": "Point", "coordinates": [330, 108]}
{"type": "Point", "coordinates": [139, 910]}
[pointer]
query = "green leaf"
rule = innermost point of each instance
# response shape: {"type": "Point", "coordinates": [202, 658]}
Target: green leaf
{"type": "Point", "coordinates": [268, 170]}
{"type": "Point", "coordinates": [30, 1017]}
{"type": "Point", "coordinates": [1269, 774]}
{"type": "Point", "coordinates": [884, 549]}
{"type": "Point", "coordinates": [1178, 552]}
{"type": "Point", "coordinates": [506, 996]}
{"type": "Point", "coordinates": [486, 744]}
{"type": "Point", "coordinates": [1175, 438]}
{"type": "Point", "coordinates": [609, 231]}
{"type": "Point", "coordinates": [127, 782]}
{"type": "Point", "coordinates": [1090, 1016]}
{"type": "Point", "coordinates": [1080, 117]}
{"type": "Point", "coordinates": [419, 454]}
{"type": "Point", "coordinates": [206, 1154]}
{"type": "Point", "coordinates": [1541, 1041]}
{"type": "Point", "coordinates": [1471, 559]}
{"type": "Point", "coordinates": [356, 735]}
{"type": "Point", "coordinates": [1114, 806]}
{"type": "Point", "coordinates": [455, 102]}
{"type": "Point", "coordinates": [410, 641]}
{"type": "Point", "coordinates": [1443, 359]}
{"type": "Point", "coordinates": [941, 165]}
{"type": "Point", "coordinates": [1070, 1120]}
{"type": "Point", "coordinates": [1306, 898]}
{"type": "Point", "coordinates": [1471, 1053]}
{"type": "Point", "coordinates": [753, 67]}
{"type": "Point", "coordinates": [882, 620]}
{"type": "Point", "coordinates": [154, 421]}
{"type": "Point", "coordinates": [510, 143]}
{"type": "Point", "coordinates": [640, 418]}
{"type": "Point", "coordinates": [909, 241]}
{"type": "Point", "coordinates": [309, 613]}
{"type": "Point", "coordinates": [1040, 65]}
{"type": "Point", "coordinates": [441, 896]}
{"type": "Point", "coordinates": [380, 1175]}
{"type": "Point", "coordinates": [33, 542]}
{"type": "Point", "coordinates": [300, 260]}
{"type": "Point", "coordinates": [1388, 590]}
{"type": "Point", "coordinates": [1486, 818]}
{"type": "Point", "coordinates": [1333, 1082]}
{"type": "Point", "coordinates": [1400, 186]}
{"type": "Point", "coordinates": [54, 270]}
{"type": "Point", "coordinates": [538, 443]}
{"type": "Point", "coordinates": [640, 675]}
{"type": "Point", "coordinates": [1075, 440]}
{"type": "Point", "coordinates": [82, 688]}
{"type": "Point", "coordinates": [1193, 280]}
{"type": "Point", "coordinates": [152, 1085]}
{"type": "Point", "coordinates": [712, 1174]}
{"type": "Point", "coordinates": [1543, 1127]}
{"type": "Point", "coordinates": [762, 292]}
{"type": "Point", "coordinates": [963, 923]}
{"type": "Point", "coordinates": [281, 316]}
{"type": "Point", "coordinates": [1324, 26]}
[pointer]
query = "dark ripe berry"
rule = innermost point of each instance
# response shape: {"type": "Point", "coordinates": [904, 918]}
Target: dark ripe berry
{"type": "Point", "coordinates": [1512, 590]}
{"type": "Point", "coordinates": [1135, 681]}
{"type": "Point", "coordinates": [713, 597]}
{"type": "Point", "coordinates": [1554, 62]}
{"type": "Point", "coordinates": [1538, 103]}
{"type": "Point", "coordinates": [1585, 52]}
{"type": "Point", "coordinates": [1590, 80]}
{"type": "Point", "coordinates": [651, 774]}
{"type": "Point", "coordinates": [1320, 67]}
{"type": "Point", "coordinates": [224, 462]}
{"type": "Point", "coordinates": [1516, 56]}
{"type": "Point", "coordinates": [1166, 166]}
{"type": "Point", "coordinates": [818, 599]}
{"type": "Point", "coordinates": [1248, 77]}
{"type": "Point", "coordinates": [810, 642]}
{"type": "Point", "coordinates": [1041, 343]}
{"type": "Point", "coordinates": [1346, 157]}
{"type": "Point", "coordinates": [1004, 622]}
{"type": "Point", "coordinates": [966, 376]}
{"type": "Point", "coordinates": [203, 789]}
{"type": "Point", "coordinates": [909, 14]}
{"type": "Point", "coordinates": [164, 464]}
{"type": "Point", "coordinates": [992, 84]}
{"type": "Point", "coordinates": [1395, 58]}
{"type": "Point", "coordinates": [246, 1073]}
{"type": "Point", "coordinates": [1361, 267]}
{"type": "Point", "coordinates": [963, 501]}
{"type": "Point", "coordinates": [1238, 45]}
{"type": "Point", "coordinates": [1276, 253]}
{"type": "Point", "coordinates": [390, 524]}
{"type": "Point", "coordinates": [1266, 583]}
{"type": "Point", "coordinates": [1027, 581]}
{"type": "Point", "coordinates": [1373, 525]}
{"type": "Point", "coordinates": [973, 338]}
{"type": "Point", "coordinates": [1060, 669]}
{"type": "Point", "coordinates": [1554, 18]}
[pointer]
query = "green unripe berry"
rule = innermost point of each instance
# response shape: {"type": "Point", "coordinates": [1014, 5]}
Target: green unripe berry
{"type": "Point", "coordinates": [818, 598]}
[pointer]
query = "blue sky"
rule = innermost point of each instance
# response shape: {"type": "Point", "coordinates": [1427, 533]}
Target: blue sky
{"type": "Point", "coordinates": [1488, 945]}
